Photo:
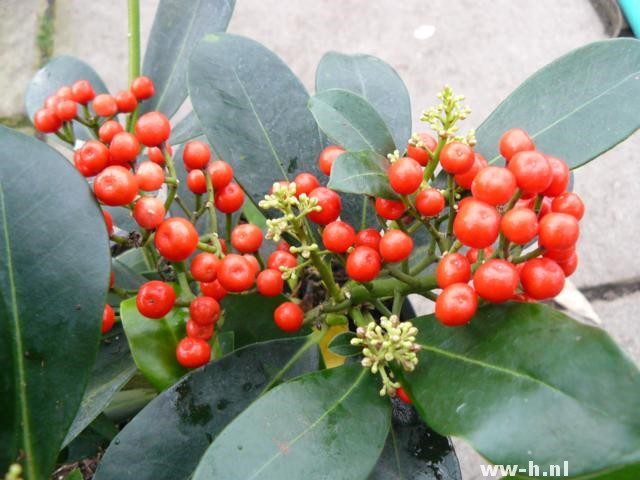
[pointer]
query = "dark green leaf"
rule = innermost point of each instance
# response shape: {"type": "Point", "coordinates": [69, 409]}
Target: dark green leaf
{"type": "Point", "coordinates": [351, 121]}
{"type": "Point", "coordinates": [153, 342]}
{"type": "Point", "coordinates": [127, 403]}
{"type": "Point", "coordinates": [328, 421]}
{"type": "Point", "coordinates": [54, 274]}
{"type": "Point", "coordinates": [224, 345]}
{"type": "Point", "coordinates": [177, 28]}
{"type": "Point", "coordinates": [250, 317]}
{"type": "Point", "coordinates": [341, 345]}
{"type": "Point", "coordinates": [60, 71]}
{"type": "Point", "coordinates": [524, 382]}
{"type": "Point", "coordinates": [253, 110]}
{"type": "Point", "coordinates": [362, 173]}
{"type": "Point", "coordinates": [414, 451]}
{"type": "Point", "coordinates": [113, 368]}
{"type": "Point", "coordinates": [186, 129]}
{"type": "Point", "coordinates": [75, 475]}
{"type": "Point", "coordinates": [373, 79]}
{"type": "Point", "coordinates": [167, 439]}
{"type": "Point", "coordinates": [575, 108]}
{"type": "Point", "coordinates": [122, 218]}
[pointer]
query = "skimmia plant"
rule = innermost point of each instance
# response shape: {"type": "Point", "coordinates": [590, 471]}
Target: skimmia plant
{"type": "Point", "coordinates": [245, 314]}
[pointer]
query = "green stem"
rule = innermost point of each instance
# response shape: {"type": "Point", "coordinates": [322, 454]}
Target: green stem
{"type": "Point", "coordinates": [134, 39]}
{"type": "Point", "coordinates": [173, 188]}
{"type": "Point", "coordinates": [452, 210]}
{"type": "Point", "coordinates": [357, 317]}
{"type": "Point", "coordinates": [186, 293]}
{"type": "Point", "coordinates": [422, 264]}
{"type": "Point", "coordinates": [326, 274]}
{"type": "Point", "coordinates": [433, 163]}
{"type": "Point", "coordinates": [532, 254]}
{"type": "Point", "coordinates": [398, 301]}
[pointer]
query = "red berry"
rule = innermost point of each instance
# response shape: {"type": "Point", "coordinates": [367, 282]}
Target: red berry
{"type": "Point", "coordinates": [328, 156]}
{"type": "Point", "coordinates": [477, 224]}
{"type": "Point", "coordinates": [82, 92]}
{"type": "Point", "coordinates": [92, 158]}
{"type": "Point", "coordinates": [150, 176]}
{"type": "Point", "coordinates": [246, 238]}
{"type": "Point", "coordinates": [213, 290]}
{"type": "Point", "coordinates": [519, 225]}
{"type": "Point", "coordinates": [193, 352]}
{"type": "Point", "coordinates": [197, 182]}
{"type": "Point", "coordinates": [465, 180]}
{"type": "Point", "coordinates": [229, 198]}
{"type": "Point", "coordinates": [330, 204]}
{"type": "Point", "coordinates": [305, 183]}
{"type": "Point", "coordinates": [558, 231]}
{"type": "Point", "coordinates": [235, 273]}
{"type": "Point", "coordinates": [196, 154]}
{"type": "Point", "coordinates": [204, 310]}
{"type": "Point", "coordinates": [155, 299]}
{"type": "Point", "coordinates": [269, 282]}
{"type": "Point", "coordinates": [124, 148]}
{"type": "Point", "coordinates": [203, 332]}
{"type": "Point", "coordinates": [559, 177]}
{"type": "Point", "coordinates": [569, 265]}
{"type": "Point", "coordinates": [389, 209]}
{"type": "Point", "coordinates": [152, 129]}
{"type": "Point", "coordinates": [456, 305]}
{"type": "Point", "coordinates": [560, 255]}
{"type": "Point", "coordinates": [429, 202]}
{"type": "Point", "coordinates": [46, 120]}
{"type": "Point", "coordinates": [126, 101]}
{"type": "Point", "coordinates": [176, 239]}
{"type": "Point", "coordinates": [542, 278]}
{"type": "Point", "coordinates": [221, 174]}
{"type": "Point", "coordinates": [453, 268]}
{"type": "Point", "coordinates": [456, 157]}
{"type": "Point", "coordinates": [494, 185]}
{"type": "Point", "coordinates": [395, 246]}
{"type": "Point", "coordinates": [108, 318]}
{"type": "Point", "coordinates": [115, 186]}
{"type": "Point", "coordinates": [569, 203]}
{"type": "Point", "coordinates": [288, 317]}
{"type": "Point", "coordinates": [405, 175]}
{"type": "Point", "coordinates": [280, 258]}
{"type": "Point", "coordinates": [65, 93]}
{"type": "Point", "coordinates": [148, 212]}
{"type": "Point", "coordinates": [66, 110]}
{"type": "Point", "coordinates": [472, 254]}
{"type": "Point", "coordinates": [338, 236]}
{"type": "Point", "coordinates": [496, 280]}
{"type": "Point", "coordinates": [108, 221]}
{"type": "Point", "coordinates": [156, 156]}
{"type": "Point", "coordinates": [105, 105]}
{"type": "Point", "coordinates": [109, 129]}
{"type": "Point", "coordinates": [419, 154]}
{"type": "Point", "coordinates": [402, 395]}
{"type": "Point", "coordinates": [142, 88]}
{"type": "Point", "coordinates": [368, 237]}
{"type": "Point", "coordinates": [204, 267]}
{"type": "Point", "coordinates": [532, 171]}
{"type": "Point", "coordinates": [363, 264]}
{"type": "Point", "coordinates": [514, 141]}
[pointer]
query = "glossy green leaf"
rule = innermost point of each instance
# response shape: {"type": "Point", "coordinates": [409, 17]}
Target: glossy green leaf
{"type": "Point", "coordinates": [167, 439]}
{"type": "Point", "coordinates": [305, 428]}
{"type": "Point", "coordinates": [373, 79]}
{"type": "Point", "coordinates": [186, 129]}
{"type": "Point", "coordinates": [153, 343]}
{"type": "Point", "coordinates": [530, 383]}
{"type": "Point", "coordinates": [75, 475]}
{"type": "Point", "coordinates": [54, 274]}
{"type": "Point", "coordinates": [250, 317]}
{"type": "Point", "coordinates": [364, 173]}
{"type": "Point", "coordinates": [177, 28]}
{"type": "Point", "coordinates": [414, 451]}
{"type": "Point", "coordinates": [341, 345]}
{"type": "Point", "coordinates": [127, 403]}
{"type": "Point", "coordinates": [113, 368]}
{"type": "Point", "coordinates": [253, 110]}
{"type": "Point", "coordinates": [60, 71]}
{"type": "Point", "coordinates": [575, 108]}
{"type": "Point", "coordinates": [351, 121]}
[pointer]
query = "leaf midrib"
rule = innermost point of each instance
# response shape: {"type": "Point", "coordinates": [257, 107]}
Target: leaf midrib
{"type": "Point", "coordinates": [514, 373]}
{"type": "Point", "coordinates": [335, 405]}
{"type": "Point", "coordinates": [19, 348]}
{"type": "Point", "coordinates": [575, 110]}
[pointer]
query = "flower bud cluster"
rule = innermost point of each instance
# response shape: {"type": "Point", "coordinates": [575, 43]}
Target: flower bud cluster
{"type": "Point", "coordinates": [390, 341]}
{"type": "Point", "coordinates": [283, 198]}
{"type": "Point", "coordinates": [443, 118]}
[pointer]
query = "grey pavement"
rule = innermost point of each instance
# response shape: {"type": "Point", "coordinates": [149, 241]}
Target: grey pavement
{"type": "Point", "coordinates": [482, 48]}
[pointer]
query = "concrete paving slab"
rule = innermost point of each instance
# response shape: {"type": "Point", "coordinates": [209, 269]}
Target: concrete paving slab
{"type": "Point", "coordinates": [621, 319]}
{"type": "Point", "coordinates": [18, 52]}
